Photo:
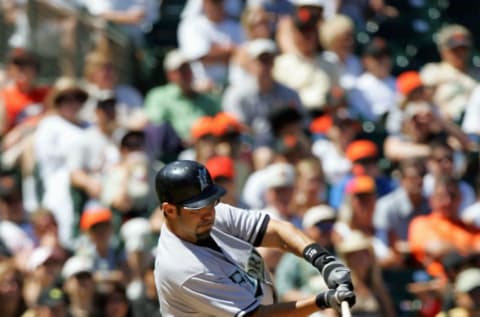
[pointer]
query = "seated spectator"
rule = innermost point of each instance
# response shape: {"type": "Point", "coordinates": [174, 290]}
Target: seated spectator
{"type": "Point", "coordinates": [310, 187]}
{"type": "Point", "coordinates": [112, 300]}
{"type": "Point", "coordinates": [79, 286]}
{"type": "Point", "coordinates": [417, 122]}
{"type": "Point", "coordinates": [177, 102]}
{"type": "Point", "coordinates": [394, 212]}
{"type": "Point", "coordinates": [203, 141]}
{"type": "Point", "coordinates": [257, 24]}
{"type": "Point", "coordinates": [209, 41]}
{"type": "Point", "coordinates": [11, 291]}
{"type": "Point", "coordinates": [53, 144]}
{"type": "Point", "coordinates": [147, 304]}
{"type": "Point", "coordinates": [337, 38]}
{"type": "Point", "coordinates": [467, 294]}
{"type": "Point", "coordinates": [452, 78]}
{"type": "Point", "coordinates": [102, 82]}
{"type": "Point", "coordinates": [22, 95]}
{"type": "Point", "coordinates": [433, 236]}
{"type": "Point", "coordinates": [363, 155]}
{"type": "Point", "coordinates": [441, 163]}
{"type": "Point", "coordinates": [294, 278]}
{"type": "Point", "coordinates": [356, 250]}
{"type": "Point", "coordinates": [374, 94]}
{"type": "Point", "coordinates": [251, 102]}
{"type": "Point", "coordinates": [98, 246]}
{"type": "Point", "coordinates": [356, 214]}
{"type": "Point", "coordinates": [96, 151]}
{"type": "Point", "coordinates": [313, 74]}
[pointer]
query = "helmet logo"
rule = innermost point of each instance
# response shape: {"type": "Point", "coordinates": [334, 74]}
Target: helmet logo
{"type": "Point", "coordinates": [202, 178]}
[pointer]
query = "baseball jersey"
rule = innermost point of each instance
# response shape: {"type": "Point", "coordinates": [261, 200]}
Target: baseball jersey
{"type": "Point", "coordinates": [194, 280]}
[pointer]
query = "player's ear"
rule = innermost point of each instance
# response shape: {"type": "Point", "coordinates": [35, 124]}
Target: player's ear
{"type": "Point", "coordinates": [169, 210]}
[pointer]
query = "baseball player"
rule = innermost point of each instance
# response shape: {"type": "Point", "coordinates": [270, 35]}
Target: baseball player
{"type": "Point", "coordinates": [206, 263]}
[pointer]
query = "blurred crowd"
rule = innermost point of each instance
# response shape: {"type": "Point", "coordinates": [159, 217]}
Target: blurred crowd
{"type": "Point", "coordinates": [289, 114]}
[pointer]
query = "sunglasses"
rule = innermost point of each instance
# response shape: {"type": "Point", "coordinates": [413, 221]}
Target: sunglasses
{"type": "Point", "coordinates": [71, 97]}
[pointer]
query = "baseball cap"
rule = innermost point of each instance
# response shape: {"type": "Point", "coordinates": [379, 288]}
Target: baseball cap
{"type": "Point", "coordinates": [94, 215]}
{"type": "Point", "coordinates": [130, 138]}
{"type": "Point", "coordinates": [454, 35]}
{"type": "Point", "coordinates": [257, 47]}
{"type": "Point", "coordinates": [135, 233]}
{"type": "Point", "coordinates": [62, 87]}
{"type": "Point", "coordinates": [279, 175]}
{"type": "Point", "coordinates": [221, 166]}
{"type": "Point", "coordinates": [361, 185]}
{"type": "Point", "coordinates": [51, 297]}
{"type": "Point", "coordinates": [408, 82]}
{"type": "Point", "coordinates": [361, 149]}
{"type": "Point", "coordinates": [75, 265]}
{"type": "Point", "coordinates": [202, 127]}
{"type": "Point", "coordinates": [321, 124]}
{"type": "Point", "coordinates": [317, 214]}
{"type": "Point", "coordinates": [467, 280]}
{"type": "Point", "coordinates": [414, 108]}
{"type": "Point", "coordinates": [355, 241]}
{"type": "Point", "coordinates": [224, 123]}
{"type": "Point", "coordinates": [377, 47]}
{"type": "Point", "coordinates": [174, 59]}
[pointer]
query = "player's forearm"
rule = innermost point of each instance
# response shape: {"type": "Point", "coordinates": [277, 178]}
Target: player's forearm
{"type": "Point", "coordinates": [304, 307]}
{"type": "Point", "coordinates": [285, 236]}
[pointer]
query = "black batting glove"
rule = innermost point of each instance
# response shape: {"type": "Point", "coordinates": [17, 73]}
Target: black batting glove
{"type": "Point", "coordinates": [334, 272]}
{"type": "Point", "coordinates": [334, 298]}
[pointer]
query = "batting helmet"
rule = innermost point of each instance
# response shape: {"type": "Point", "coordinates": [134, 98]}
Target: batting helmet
{"type": "Point", "coordinates": [187, 183]}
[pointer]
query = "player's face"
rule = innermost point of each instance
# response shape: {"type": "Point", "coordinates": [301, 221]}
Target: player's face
{"type": "Point", "coordinates": [196, 224]}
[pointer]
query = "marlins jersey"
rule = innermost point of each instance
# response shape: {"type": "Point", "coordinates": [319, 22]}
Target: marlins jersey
{"type": "Point", "coordinates": [230, 280]}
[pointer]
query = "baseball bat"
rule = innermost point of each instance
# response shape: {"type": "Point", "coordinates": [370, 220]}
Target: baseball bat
{"type": "Point", "coordinates": [346, 309]}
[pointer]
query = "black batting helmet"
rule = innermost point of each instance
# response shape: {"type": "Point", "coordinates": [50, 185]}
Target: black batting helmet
{"type": "Point", "coordinates": [186, 183]}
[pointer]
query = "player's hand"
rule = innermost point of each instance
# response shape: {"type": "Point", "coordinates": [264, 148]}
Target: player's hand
{"type": "Point", "coordinates": [339, 275]}
{"type": "Point", "coordinates": [334, 298]}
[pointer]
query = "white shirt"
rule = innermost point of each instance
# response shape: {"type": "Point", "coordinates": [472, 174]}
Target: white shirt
{"type": "Point", "coordinates": [194, 280]}
{"type": "Point", "coordinates": [349, 71]}
{"type": "Point", "coordinates": [472, 113]}
{"type": "Point", "coordinates": [54, 140]}
{"type": "Point", "coordinates": [335, 165]}
{"type": "Point", "coordinates": [372, 97]}
{"type": "Point", "coordinates": [197, 35]}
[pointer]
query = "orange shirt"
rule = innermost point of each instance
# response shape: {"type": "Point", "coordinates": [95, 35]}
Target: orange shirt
{"type": "Point", "coordinates": [435, 227]}
{"type": "Point", "coordinates": [16, 101]}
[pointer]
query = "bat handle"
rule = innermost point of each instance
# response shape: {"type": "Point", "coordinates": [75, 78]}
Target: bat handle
{"type": "Point", "coordinates": [346, 309]}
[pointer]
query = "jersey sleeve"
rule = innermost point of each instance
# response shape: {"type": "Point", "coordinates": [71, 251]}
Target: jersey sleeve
{"type": "Point", "coordinates": [248, 225]}
{"type": "Point", "coordinates": [215, 295]}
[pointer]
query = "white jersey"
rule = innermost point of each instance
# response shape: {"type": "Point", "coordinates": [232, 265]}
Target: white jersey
{"type": "Point", "coordinates": [194, 280]}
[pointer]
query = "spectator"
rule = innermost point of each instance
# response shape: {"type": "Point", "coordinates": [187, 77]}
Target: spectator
{"type": "Point", "coordinates": [294, 278]}
{"type": "Point", "coordinates": [337, 38]}
{"type": "Point", "coordinates": [21, 95]}
{"type": "Point", "coordinates": [452, 78]}
{"type": "Point", "coordinates": [313, 74]}
{"type": "Point", "coordinates": [79, 286]}
{"type": "Point", "coordinates": [374, 94]}
{"type": "Point", "coordinates": [433, 236]}
{"type": "Point", "coordinates": [96, 222]}
{"type": "Point", "coordinates": [394, 212]}
{"type": "Point", "coordinates": [11, 207]}
{"type": "Point", "coordinates": [203, 140]}
{"type": "Point", "coordinates": [364, 156]}
{"type": "Point", "coordinates": [52, 146]}
{"type": "Point", "coordinates": [113, 300]}
{"type": "Point", "coordinates": [10, 291]}
{"type": "Point", "coordinates": [102, 82]}
{"type": "Point", "coordinates": [356, 250]}
{"type": "Point", "coordinates": [310, 187]}
{"type": "Point", "coordinates": [356, 214]}
{"type": "Point", "coordinates": [252, 102]}
{"type": "Point", "coordinates": [467, 294]}
{"type": "Point", "coordinates": [177, 102]}
{"type": "Point", "coordinates": [147, 304]}
{"type": "Point", "coordinates": [95, 152]}
{"type": "Point", "coordinates": [441, 163]}
{"type": "Point", "coordinates": [209, 41]}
